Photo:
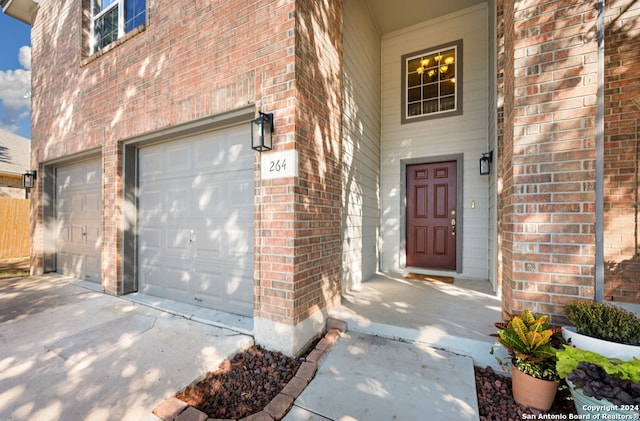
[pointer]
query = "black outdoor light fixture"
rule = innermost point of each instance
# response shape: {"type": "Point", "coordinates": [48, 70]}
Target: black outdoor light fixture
{"type": "Point", "coordinates": [29, 179]}
{"type": "Point", "coordinates": [485, 163]}
{"type": "Point", "coordinates": [262, 132]}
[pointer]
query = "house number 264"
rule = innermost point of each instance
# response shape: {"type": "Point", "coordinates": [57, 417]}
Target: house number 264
{"type": "Point", "coordinates": [278, 165]}
{"type": "Point", "coordinates": [281, 164]}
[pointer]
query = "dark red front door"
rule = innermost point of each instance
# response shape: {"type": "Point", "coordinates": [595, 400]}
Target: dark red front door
{"type": "Point", "coordinates": [431, 215]}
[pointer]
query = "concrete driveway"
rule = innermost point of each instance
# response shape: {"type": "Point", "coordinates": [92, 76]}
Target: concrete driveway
{"type": "Point", "coordinates": [69, 353]}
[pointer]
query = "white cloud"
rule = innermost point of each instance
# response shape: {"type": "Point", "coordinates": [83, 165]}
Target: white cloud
{"type": "Point", "coordinates": [24, 57]}
{"type": "Point", "coordinates": [15, 89]}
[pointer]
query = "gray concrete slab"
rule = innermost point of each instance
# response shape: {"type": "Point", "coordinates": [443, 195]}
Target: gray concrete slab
{"type": "Point", "coordinates": [457, 317]}
{"type": "Point", "coordinates": [367, 377]}
{"type": "Point", "coordinates": [68, 353]}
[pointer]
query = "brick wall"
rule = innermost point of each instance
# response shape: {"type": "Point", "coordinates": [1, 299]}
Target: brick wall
{"type": "Point", "coordinates": [549, 159]}
{"type": "Point", "coordinates": [505, 151]}
{"type": "Point", "coordinates": [622, 104]}
{"type": "Point", "coordinates": [171, 72]}
{"type": "Point", "coordinates": [318, 256]}
{"type": "Point", "coordinates": [191, 61]}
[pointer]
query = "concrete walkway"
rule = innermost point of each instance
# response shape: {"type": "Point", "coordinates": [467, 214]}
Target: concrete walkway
{"type": "Point", "coordinates": [68, 353]}
{"type": "Point", "coordinates": [367, 377]}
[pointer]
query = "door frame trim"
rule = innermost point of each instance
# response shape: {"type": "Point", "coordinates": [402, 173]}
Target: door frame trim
{"type": "Point", "coordinates": [459, 159]}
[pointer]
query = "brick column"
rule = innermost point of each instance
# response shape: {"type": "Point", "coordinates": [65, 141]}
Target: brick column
{"type": "Point", "coordinates": [111, 216]}
{"type": "Point", "coordinates": [298, 270]}
{"type": "Point", "coordinates": [548, 197]}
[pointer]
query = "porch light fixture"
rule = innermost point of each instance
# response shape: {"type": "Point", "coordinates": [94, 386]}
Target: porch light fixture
{"type": "Point", "coordinates": [29, 179]}
{"type": "Point", "coordinates": [485, 163]}
{"type": "Point", "coordinates": [262, 132]}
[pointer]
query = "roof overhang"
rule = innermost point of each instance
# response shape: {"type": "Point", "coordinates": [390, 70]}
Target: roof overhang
{"type": "Point", "coordinates": [20, 9]}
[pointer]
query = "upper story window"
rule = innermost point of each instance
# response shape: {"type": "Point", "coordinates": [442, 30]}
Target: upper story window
{"type": "Point", "coordinates": [432, 83]}
{"type": "Point", "coordinates": [112, 19]}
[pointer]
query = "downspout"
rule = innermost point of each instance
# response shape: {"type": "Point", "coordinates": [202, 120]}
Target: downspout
{"type": "Point", "coordinates": [599, 264]}
{"type": "Point", "coordinates": [636, 161]}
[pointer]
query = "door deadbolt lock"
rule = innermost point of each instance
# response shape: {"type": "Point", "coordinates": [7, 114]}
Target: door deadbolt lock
{"type": "Point", "coordinates": [453, 222]}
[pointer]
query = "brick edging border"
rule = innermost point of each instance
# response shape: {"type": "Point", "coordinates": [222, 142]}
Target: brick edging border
{"type": "Point", "coordinates": [173, 409]}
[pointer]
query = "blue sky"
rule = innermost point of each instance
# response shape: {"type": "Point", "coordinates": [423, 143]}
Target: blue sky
{"type": "Point", "coordinates": [15, 76]}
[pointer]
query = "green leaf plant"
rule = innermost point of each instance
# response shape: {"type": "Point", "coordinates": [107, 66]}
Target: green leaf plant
{"type": "Point", "coordinates": [604, 321]}
{"type": "Point", "coordinates": [531, 343]}
{"type": "Point", "coordinates": [569, 358]}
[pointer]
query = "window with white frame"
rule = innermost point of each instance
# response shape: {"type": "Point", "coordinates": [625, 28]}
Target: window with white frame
{"type": "Point", "coordinates": [112, 19]}
{"type": "Point", "coordinates": [432, 83]}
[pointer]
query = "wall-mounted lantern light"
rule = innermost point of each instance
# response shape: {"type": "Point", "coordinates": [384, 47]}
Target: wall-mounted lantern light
{"type": "Point", "coordinates": [29, 179]}
{"type": "Point", "coordinates": [485, 163]}
{"type": "Point", "coordinates": [262, 132]}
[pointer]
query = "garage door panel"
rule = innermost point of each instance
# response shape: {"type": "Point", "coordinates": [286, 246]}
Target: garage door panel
{"type": "Point", "coordinates": [239, 243]}
{"type": "Point", "coordinates": [78, 207]}
{"type": "Point", "coordinates": [75, 238]}
{"type": "Point", "coordinates": [150, 164]}
{"type": "Point", "coordinates": [177, 200]}
{"type": "Point", "coordinates": [209, 245]}
{"type": "Point", "coordinates": [209, 153]}
{"type": "Point", "coordinates": [176, 240]}
{"type": "Point", "coordinates": [152, 239]}
{"type": "Point", "coordinates": [177, 278]}
{"type": "Point", "coordinates": [77, 204]}
{"type": "Point", "coordinates": [239, 148]}
{"type": "Point", "coordinates": [92, 267]}
{"type": "Point", "coordinates": [178, 158]}
{"type": "Point", "coordinates": [154, 207]}
{"type": "Point", "coordinates": [223, 291]}
{"type": "Point", "coordinates": [243, 198]}
{"type": "Point", "coordinates": [196, 220]}
{"type": "Point", "coordinates": [205, 200]}
{"type": "Point", "coordinates": [208, 195]}
{"type": "Point", "coordinates": [93, 203]}
{"type": "Point", "coordinates": [93, 237]}
{"type": "Point", "coordinates": [216, 153]}
{"type": "Point", "coordinates": [152, 272]}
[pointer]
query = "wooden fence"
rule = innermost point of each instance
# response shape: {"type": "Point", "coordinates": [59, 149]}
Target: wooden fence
{"type": "Point", "coordinates": [14, 228]}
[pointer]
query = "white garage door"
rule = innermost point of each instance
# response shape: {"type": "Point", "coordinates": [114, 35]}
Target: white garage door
{"type": "Point", "coordinates": [195, 218]}
{"type": "Point", "coordinates": [78, 215]}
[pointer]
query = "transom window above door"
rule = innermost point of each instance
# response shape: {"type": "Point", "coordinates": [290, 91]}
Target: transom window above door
{"type": "Point", "coordinates": [432, 83]}
{"type": "Point", "coordinates": [112, 19]}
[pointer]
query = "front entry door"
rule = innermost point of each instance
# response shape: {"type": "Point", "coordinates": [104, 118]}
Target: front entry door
{"type": "Point", "coordinates": [431, 215]}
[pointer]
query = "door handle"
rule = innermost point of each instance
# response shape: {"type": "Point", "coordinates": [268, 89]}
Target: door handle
{"type": "Point", "coordinates": [453, 226]}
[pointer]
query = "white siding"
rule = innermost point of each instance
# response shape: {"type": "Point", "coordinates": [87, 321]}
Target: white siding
{"type": "Point", "coordinates": [493, 145]}
{"type": "Point", "coordinates": [463, 134]}
{"type": "Point", "coordinates": [361, 144]}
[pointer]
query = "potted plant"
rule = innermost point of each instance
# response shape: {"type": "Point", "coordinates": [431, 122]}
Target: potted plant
{"type": "Point", "coordinates": [528, 340]}
{"type": "Point", "coordinates": [603, 328]}
{"type": "Point", "coordinates": [598, 384]}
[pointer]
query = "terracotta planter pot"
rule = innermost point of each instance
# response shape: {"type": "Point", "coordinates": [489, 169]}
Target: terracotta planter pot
{"type": "Point", "coordinates": [605, 348]}
{"type": "Point", "coordinates": [529, 391]}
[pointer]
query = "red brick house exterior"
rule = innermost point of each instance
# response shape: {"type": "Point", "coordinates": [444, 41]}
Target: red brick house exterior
{"type": "Point", "coordinates": [559, 214]}
{"type": "Point", "coordinates": [549, 153]}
